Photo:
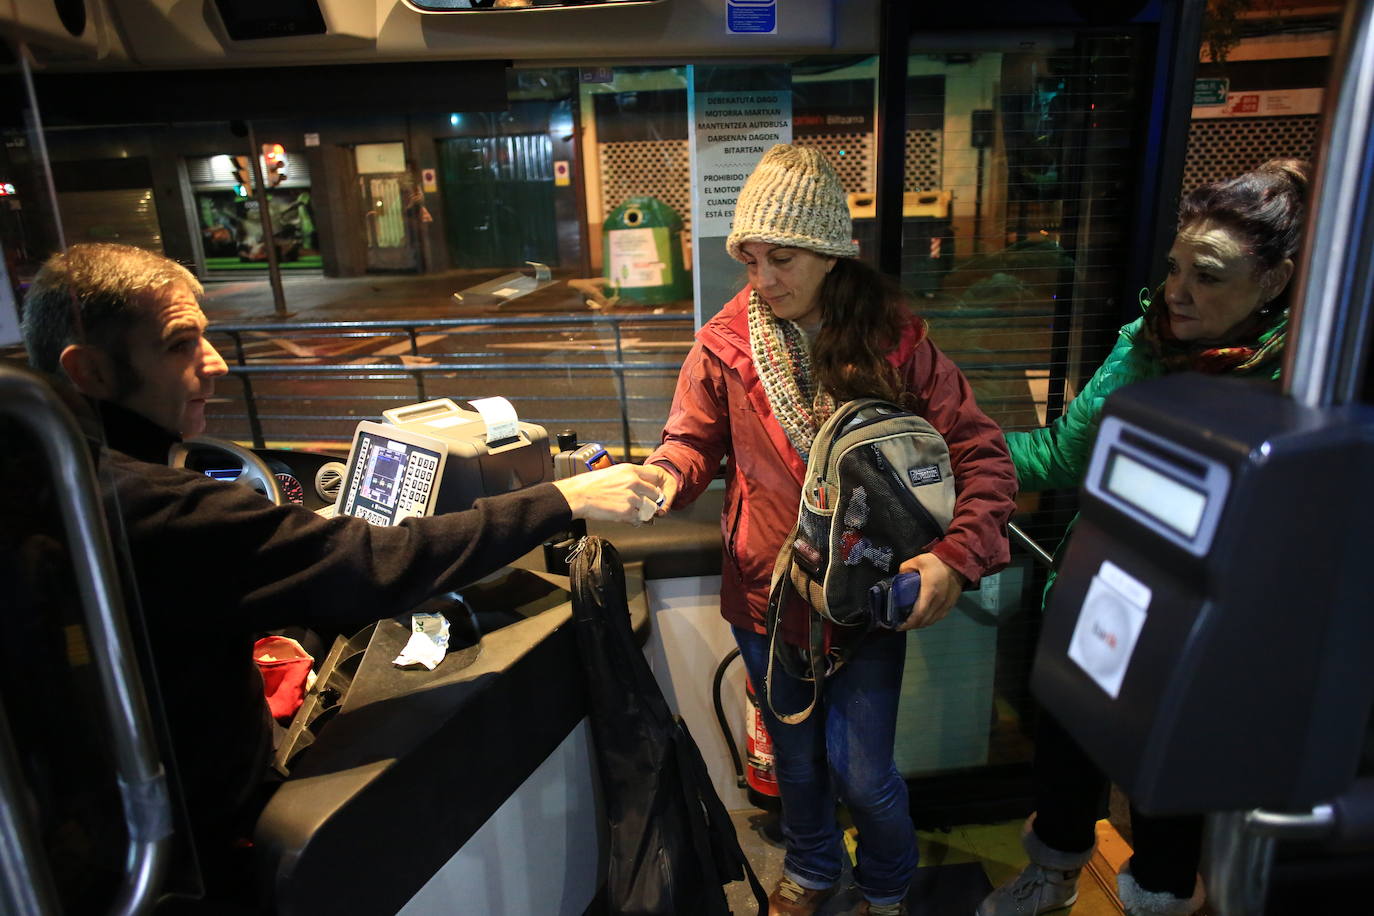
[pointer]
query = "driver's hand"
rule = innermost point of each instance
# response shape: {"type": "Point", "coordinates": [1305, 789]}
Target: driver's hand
{"type": "Point", "coordinates": [623, 493]}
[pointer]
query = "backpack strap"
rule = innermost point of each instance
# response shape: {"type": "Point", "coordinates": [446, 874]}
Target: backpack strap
{"type": "Point", "coordinates": [777, 600]}
{"type": "Point", "coordinates": [816, 677]}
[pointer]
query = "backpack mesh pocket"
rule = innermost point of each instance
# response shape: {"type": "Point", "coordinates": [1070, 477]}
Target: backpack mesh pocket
{"type": "Point", "coordinates": [879, 520]}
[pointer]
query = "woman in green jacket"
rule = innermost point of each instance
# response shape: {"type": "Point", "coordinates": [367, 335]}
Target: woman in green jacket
{"type": "Point", "coordinates": [1223, 310]}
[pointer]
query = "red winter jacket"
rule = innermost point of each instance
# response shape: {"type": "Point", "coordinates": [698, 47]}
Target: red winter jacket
{"type": "Point", "coordinates": [720, 411]}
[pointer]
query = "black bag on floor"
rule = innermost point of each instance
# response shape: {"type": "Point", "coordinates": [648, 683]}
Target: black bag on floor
{"type": "Point", "coordinates": [672, 843]}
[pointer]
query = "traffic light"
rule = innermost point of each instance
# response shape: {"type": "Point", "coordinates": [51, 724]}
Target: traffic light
{"type": "Point", "coordinates": [243, 176]}
{"type": "Point", "coordinates": [273, 164]}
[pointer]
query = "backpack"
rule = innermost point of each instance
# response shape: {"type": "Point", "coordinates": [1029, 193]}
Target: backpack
{"type": "Point", "coordinates": [878, 491]}
{"type": "Point", "coordinates": [672, 844]}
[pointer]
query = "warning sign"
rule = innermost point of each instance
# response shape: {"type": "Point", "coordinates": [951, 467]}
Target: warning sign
{"type": "Point", "coordinates": [733, 131]}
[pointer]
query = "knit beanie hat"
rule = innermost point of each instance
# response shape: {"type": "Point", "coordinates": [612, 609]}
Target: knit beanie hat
{"type": "Point", "coordinates": [793, 198]}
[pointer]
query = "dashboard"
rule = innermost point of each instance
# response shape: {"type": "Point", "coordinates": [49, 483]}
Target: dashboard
{"type": "Point", "coordinates": [307, 479]}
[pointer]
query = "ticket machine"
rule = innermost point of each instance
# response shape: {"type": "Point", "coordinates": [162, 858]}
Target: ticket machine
{"type": "Point", "coordinates": [434, 457]}
{"type": "Point", "coordinates": [1209, 638]}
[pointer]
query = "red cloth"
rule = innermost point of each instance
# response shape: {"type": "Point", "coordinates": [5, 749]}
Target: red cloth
{"type": "Point", "coordinates": [285, 668]}
{"type": "Point", "coordinates": [720, 410]}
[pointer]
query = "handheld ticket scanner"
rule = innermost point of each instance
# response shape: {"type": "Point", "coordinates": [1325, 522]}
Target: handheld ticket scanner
{"type": "Point", "coordinates": [1209, 638]}
{"type": "Point", "coordinates": [435, 457]}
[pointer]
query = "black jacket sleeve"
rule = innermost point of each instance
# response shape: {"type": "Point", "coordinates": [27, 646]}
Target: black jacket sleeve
{"type": "Point", "coordinates": [222, 550]}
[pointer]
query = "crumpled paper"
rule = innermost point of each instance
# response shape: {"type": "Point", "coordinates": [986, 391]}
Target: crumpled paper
{"type": "Point", "coordinates": [428, 641]}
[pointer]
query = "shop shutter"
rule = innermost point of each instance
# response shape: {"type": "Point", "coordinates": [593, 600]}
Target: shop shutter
{"type": "Point", "coordinates": [127, 216]}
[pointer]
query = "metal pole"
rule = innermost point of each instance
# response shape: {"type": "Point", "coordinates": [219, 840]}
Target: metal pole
{"type": "Point", "coordinates": [1325, 359]}
{"type": "Point", "coordinates": [26, 886]}
{"type": "Point", "coordinates": [419, 376]}
{"type": "Point", "coordinates": [620, 384]}
{"type": "Point", "coordinates": [249, 402]}
{"type": "Point", "coordinates": [42, 143]}
{"type": "Point", "coordinates": [254, 422]}
{"type": "Point", "coordinates": [978, 204]}
{"type": "Point", "coordinates": [238, 347]}
{"type": "Point", "coordinates": [1165, 148]}
{"type": "Point", "coordinates": [891, 132]}
{"type": "Point", "coordinates": [264, 213]}
{"type": "Point", "coordinates": [1322, 367]}
{"type": "Point", "coordinates": [1238, 876]}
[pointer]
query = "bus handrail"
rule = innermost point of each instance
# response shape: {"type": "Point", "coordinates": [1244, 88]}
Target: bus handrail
{"type": "Point", "coordinates": [1041, 556]}
{"type": "Point", "coordinates": [404, 324]}
{"type": "Point", "coordinates": [1323, 366]}
{"type": "Point", "coordinates": [408, 369]}
{"type": "Point", "coordinates": [24, 889]}
{"type": "Point", "coordinates": [141, 777]}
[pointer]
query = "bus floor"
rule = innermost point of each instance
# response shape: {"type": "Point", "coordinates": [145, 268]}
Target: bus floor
{"type": "Point", "coordinates": [958, 868]}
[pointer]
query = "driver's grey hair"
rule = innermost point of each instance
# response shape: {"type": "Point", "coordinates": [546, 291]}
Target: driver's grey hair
{"type": "Point", "coordinates": [94, 294]}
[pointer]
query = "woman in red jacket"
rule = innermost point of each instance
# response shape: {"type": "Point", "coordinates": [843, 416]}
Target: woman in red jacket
{"type": "Point", "coordinates": [814, 328]}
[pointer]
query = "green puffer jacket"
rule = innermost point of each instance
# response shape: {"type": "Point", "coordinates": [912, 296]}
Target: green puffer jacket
{"type": "Point", "coordinates": [1058, 455]}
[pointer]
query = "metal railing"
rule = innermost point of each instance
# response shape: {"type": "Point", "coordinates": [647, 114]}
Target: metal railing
{"type": "Point", "coordinates": [370, 379]}
{"type": "Point", "coordinates": [623, 392]}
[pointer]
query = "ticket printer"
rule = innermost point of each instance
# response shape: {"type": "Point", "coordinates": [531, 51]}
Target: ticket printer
{"type": "Point", "coordinates": [424, 459]}
{"type": "Point", "coordinates": [1208, 640]}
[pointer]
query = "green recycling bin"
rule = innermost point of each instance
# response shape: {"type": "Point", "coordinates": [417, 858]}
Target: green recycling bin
{"type": "Point", "coordinates": [643, 252]}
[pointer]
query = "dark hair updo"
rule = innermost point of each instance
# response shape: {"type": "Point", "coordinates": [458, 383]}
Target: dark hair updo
{"type": "Point", "coordinates": [1264, 207]}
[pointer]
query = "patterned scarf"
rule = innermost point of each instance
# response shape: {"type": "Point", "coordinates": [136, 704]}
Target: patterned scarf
{"type": "Point", "coordinates": [1253, 346]}
{"type": "Point", "coordinates": [782, 356]}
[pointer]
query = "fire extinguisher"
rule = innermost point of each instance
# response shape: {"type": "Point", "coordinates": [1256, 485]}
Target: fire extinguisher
{"type": "Point", "coordinates": [754, 774]}
{"type": "Point", "coordinates": [758, 751]}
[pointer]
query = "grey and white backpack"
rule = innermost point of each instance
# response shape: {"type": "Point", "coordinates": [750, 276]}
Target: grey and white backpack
{"type": "Point", "coordinates": [878, 491]}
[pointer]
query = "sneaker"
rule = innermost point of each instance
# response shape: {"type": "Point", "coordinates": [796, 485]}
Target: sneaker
{"type": "Point", "coordinates": [791, 899]}
{"type": "Point", "coordinates": [881, 909]}
{"type": "Point", "coordinates": [1136, 901]}
{"type": "Point", "coordinates": [1036, 890]}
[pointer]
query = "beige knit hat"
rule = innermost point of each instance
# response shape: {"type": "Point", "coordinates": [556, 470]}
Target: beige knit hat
{"type": "Point", "coordinates": [793, 198]}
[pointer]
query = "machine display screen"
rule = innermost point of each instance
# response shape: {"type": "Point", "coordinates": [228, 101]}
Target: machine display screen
{"type": "Point", "coordinates": [1162, 497]}
{"type": "Point", "coordinates": [388, 480]}
{"type": "Point", "coordinates": [382, 479]}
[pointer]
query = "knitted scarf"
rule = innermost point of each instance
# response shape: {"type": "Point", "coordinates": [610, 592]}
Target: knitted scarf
{"type": "Point", "coordinates": [782, 356]}
{"type": "Point", "coordinates": [1253, 346]}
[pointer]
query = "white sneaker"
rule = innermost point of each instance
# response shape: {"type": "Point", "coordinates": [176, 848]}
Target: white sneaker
{"type": "Point", "coordinates": [1036, 890]}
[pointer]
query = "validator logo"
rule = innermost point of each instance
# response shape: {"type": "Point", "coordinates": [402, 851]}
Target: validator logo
{"type": "Point", "coordinates": [1105, 635]}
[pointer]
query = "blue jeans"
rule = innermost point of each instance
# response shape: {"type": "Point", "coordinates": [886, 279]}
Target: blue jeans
{"type": "Point", "coordinates": [844, 748]}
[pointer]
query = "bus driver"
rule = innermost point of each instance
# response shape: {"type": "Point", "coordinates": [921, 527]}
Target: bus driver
{"type": "Point", "coordinates": [216, 564]}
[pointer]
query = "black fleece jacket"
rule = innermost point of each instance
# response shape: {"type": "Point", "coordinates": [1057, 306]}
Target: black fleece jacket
{"type": "Point", "coordinates": [216, 564]}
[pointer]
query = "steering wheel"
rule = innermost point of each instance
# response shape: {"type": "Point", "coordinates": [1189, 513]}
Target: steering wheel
{"type": "Point", "coordinates": [253, 471]}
